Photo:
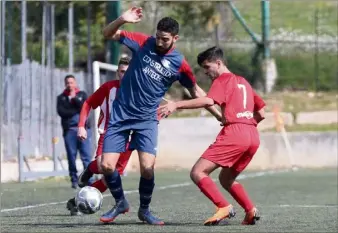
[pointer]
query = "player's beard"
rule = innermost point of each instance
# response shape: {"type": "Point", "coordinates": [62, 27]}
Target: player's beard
{"type": "Point", "coordinates": [161, 50]}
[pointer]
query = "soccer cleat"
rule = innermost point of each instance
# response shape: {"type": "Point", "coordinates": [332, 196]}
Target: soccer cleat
{"type": "Point", "coordinates": [121, 207]}
{"type": "Point", "coordinates": [71, 206]}
{"type": "Point", "coordinates": [84, 178]}
{"type": "Point", "coordinates": [221, 213]}
{"type": "Point", "coordinates": [146, 216]}
{"type": "Point", "coordinates": [251, 217]}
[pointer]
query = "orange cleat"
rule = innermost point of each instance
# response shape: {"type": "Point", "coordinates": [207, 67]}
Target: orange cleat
{"type": "Point", "coordinates": [251, 217]}
{"type": "Point", "coordinates": [221, 213]}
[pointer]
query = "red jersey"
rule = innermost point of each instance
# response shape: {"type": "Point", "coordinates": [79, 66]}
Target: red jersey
{"type": "Point", "coordinates": [103, 98]}
{"type": "Point", "coordinates": [236, 98]}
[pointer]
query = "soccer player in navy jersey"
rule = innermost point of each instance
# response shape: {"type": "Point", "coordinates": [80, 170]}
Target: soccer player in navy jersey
{"type": "Point", "coordinates": [155, 65]}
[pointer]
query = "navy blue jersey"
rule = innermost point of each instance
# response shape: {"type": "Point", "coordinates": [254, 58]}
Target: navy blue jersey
{"type": "Point", "coordinates": [148, 78]}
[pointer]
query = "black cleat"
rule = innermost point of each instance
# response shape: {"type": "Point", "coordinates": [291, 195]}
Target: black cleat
{"type": "Point", "coordinates": [84, 178]}
{"type": "Point", "coordinates": [71, 206]}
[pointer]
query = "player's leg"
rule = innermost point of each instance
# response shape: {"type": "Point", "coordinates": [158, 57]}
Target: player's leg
{"type": "Point", "coordinates": [237, 190]}
{"type": "Point", "coordinates": [94, 166]}
{"type": "Point", "coordinates": [227, 178]}
{"type": "Point", "coordinates": [200, 176]}
{"type": "Point", "coordinates": [144, 140]}
{"type": "Point", "coordinates": [85, 149]}
{"type": "Point", "coordinates": [123, 161]}
{"type": "Point", "coordinates": [114, 143]}
{"type": "Point", "coordinates": [70, 139]}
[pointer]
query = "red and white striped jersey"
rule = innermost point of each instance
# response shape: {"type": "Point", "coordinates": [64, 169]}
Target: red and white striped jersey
{"type": "Point", "coordinates": [103, 98]}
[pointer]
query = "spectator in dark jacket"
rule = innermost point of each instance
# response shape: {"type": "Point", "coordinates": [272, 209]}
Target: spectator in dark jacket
{"type": "Point", "coordinates": [69, 105]}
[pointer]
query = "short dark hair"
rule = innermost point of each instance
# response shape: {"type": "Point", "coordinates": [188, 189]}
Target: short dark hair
{"type": "Point", "coordinates": [211, 54]}
{"type": "Point", "coordinates": [168, 24]}
{"type": "Point", "coordinates": [69, 76]}
{"type": "Point", "coordinates": [124, 61]}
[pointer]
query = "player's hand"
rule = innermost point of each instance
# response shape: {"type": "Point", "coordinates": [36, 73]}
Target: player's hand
{"type": "Point", "coordinates": [166, 110]}
{"type": "Point", "coordinates": [82, 133]}
{"type": "Point", "coordinates": [222, 120]}
{"type": "Point", "coordinates": [133, 15]}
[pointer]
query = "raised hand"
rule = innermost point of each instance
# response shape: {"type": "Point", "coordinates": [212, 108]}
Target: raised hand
{"type": "Point", "coordinates": [133, 15]}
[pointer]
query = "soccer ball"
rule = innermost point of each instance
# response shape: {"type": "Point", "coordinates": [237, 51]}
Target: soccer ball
{"type": "Point", "coordinates": [88, 200]}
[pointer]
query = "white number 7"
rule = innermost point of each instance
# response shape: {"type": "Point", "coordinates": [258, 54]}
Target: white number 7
{"type": "Point", "coordinates": [241, 86]}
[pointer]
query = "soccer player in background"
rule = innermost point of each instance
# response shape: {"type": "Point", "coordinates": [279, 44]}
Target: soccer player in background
{"type": "Point", "coordinates": [237, 142]}
{"type": "Point", "coordinates": [102, 98]}
{"type": "Point", "coordinates": [156, 64]}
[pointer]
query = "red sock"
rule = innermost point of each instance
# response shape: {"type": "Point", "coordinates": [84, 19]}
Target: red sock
{"type": "Point", "coordinates": [123, 161]}
{"type": "Point", "coordinates": [209, 189]}
{"type": "Point", "coordinates": [238, 192]}
{"type": "Point", "coordinates": [93, 167]}
{"type": "Point", "coordinates": [100, 185]}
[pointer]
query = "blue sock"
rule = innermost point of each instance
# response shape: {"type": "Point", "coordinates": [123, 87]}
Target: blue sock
{"type": "Point", "coordinates": [146, 188]}
{"type": "Point", "coordinates": [115, 185]}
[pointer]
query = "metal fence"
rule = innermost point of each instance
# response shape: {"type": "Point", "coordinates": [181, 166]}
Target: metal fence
{"type": "Point", "coordinates": [29, 109]}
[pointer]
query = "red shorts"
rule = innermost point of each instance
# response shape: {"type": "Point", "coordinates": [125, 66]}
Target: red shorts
{"type": "Point", "coordinates": [124, 156]}
{"type": "Point", "coordinates": [234, 147]}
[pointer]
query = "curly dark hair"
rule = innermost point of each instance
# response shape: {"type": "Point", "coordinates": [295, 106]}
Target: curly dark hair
{"type": "Point", "coordinates": [168, 24]}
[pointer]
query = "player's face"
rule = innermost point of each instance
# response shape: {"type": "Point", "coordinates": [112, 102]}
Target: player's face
{"type": "Point", "coordinates": [70, 84]}
{"type": "Point", "coordinates": [164, 41]}
{"type": "Point", "coordinates": [212, 68]}
{"type": "Point", "coordinates": [121, 71]}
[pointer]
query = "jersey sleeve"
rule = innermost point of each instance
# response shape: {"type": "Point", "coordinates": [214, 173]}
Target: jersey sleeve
{"type": "Point", "coordinates": [217, 93]}
{"type": "Point", "coordinates": [186, 77]}
{"type": "Point", "coordinates": [97, 98]}
{"type": "Point", "coordinates": [85, 110]}
{"type": "Point", "coordinates": [133, 40]}
{"type": "Point", "coordinates": [259, 102]}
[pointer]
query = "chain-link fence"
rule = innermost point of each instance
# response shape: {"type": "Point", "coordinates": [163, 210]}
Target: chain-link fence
{"type": "Point", "coordinates": [29, 109]}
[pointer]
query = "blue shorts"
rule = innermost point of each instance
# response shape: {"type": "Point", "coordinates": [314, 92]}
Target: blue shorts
{"type": "Point", "coordinates": [143, 138]}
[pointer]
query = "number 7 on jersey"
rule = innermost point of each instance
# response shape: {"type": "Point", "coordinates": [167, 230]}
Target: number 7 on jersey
{"type": "Point", "coordinates": [243, 88]}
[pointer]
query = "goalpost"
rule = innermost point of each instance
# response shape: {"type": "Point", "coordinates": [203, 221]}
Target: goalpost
{"type": "Point", "coordinates": [97, 66]}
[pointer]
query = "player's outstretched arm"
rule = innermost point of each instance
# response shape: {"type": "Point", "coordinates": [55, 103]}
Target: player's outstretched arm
{"type": "Point", "coordinates": [170, 107]}
{"type": "Point", "coordinates": [188, 80]}
{"type": "Point", "coordinates": [94, 101]}
{"type": "Point", "coordinates": [133, 15]}
{"type": "Point", "coordinates": [197, 92]}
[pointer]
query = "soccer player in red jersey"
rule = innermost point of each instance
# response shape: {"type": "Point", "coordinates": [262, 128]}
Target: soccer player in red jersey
{"type": "Point", "coordinates": [237, 142]}
{"type": "Point", "coordinates": [102, 98]}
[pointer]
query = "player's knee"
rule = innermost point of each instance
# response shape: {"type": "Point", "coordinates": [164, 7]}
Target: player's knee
{"type": "Point", "coordinates": [147, 172]}
{"type": "Point", "coordinates": [195, 175]}
{"type": "Point", "coordinates": [107, 167]}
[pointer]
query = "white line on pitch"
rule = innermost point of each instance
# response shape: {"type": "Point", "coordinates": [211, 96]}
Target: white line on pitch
{"type": "Point", "coordinates": [240, 177]}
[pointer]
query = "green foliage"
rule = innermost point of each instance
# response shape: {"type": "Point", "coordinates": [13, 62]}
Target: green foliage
{"type": "Point", "coordinates": [296, 69]}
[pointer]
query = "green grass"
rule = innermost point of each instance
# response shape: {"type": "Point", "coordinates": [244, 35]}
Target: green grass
{"type": "Point", "coordinates": [308, 128]}
{"type": "Point", "coordinates": [289, 15]}
{"type": "Point", "coordinates": [302, 201]}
